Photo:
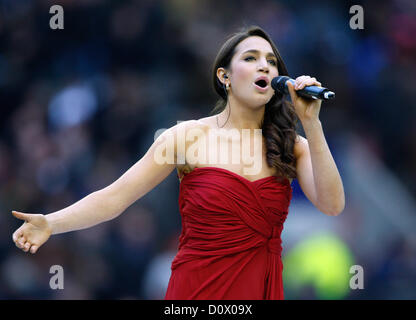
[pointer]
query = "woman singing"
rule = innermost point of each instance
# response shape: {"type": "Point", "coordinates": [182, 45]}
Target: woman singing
{"type": "Point", "coordinates": [233, 205]}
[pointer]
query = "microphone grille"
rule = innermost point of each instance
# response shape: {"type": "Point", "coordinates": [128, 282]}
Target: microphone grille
{"type": "Point", "coordinates": [279, 83]}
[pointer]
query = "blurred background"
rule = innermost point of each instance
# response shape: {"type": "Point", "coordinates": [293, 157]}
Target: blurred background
{"type": "Point", "coordinates": [80, 106]}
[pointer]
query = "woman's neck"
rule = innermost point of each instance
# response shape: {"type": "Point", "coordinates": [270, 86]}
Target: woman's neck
{"type": "Point", "coordinates": [241, 117]}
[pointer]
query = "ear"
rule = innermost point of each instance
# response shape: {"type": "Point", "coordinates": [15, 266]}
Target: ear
{"type": "Point", "coordinates": [221, 73]}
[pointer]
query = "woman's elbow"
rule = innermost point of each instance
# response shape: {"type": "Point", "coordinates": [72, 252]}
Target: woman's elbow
{"type": "Point", "coordinates": [335, 210]}
{"type": "Point", "coordinates": [331, 207]}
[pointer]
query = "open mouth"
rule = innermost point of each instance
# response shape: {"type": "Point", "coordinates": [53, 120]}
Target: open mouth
{"type": "Point", "coordinates": [261, 83]}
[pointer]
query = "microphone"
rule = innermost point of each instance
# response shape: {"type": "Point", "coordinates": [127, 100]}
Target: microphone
{"type": "Point", "coordinates": [311, 92]}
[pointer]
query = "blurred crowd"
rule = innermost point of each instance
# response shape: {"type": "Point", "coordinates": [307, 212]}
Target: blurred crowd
{"type": "Point", "coordinates": [81, 105]}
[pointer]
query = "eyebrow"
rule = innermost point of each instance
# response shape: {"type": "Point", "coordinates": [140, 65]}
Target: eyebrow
{"type": "Point", "coordinates": [269, 54]}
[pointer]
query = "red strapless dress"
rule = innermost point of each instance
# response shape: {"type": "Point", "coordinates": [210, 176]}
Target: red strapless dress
{"type": "Point", "coordinates": [230, 246]}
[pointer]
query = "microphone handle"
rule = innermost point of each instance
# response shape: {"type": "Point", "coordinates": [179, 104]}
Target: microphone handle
{"type": "Point", "coordinates": [314, 92]}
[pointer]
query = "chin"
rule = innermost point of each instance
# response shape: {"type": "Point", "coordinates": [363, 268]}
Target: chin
{"type": "Point", "coordinates": [256, 100]}
{"type": "Point", "coordinates": [261, 101]}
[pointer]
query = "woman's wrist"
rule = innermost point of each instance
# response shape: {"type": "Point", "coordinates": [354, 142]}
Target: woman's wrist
{"type": "Point", "coordinates": [51, 223]}
{"type": "Point", "coordinates": [310, 123]}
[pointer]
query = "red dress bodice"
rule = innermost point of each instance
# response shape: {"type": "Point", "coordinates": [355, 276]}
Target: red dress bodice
{"type": "Point", "coordinates": [229, 246]}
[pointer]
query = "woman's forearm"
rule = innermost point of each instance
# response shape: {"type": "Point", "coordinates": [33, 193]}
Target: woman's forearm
{"type": "Point", "coordinates": [328, 183]}
{"type": "Point", "coordinates": [93, 209]}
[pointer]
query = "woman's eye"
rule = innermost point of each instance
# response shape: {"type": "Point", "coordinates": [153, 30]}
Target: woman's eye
{"type": "Point", "coordinates": [273, 62]}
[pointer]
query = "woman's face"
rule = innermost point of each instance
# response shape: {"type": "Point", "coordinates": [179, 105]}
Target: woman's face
{"type": "Point", "coordinates": [254, 58]}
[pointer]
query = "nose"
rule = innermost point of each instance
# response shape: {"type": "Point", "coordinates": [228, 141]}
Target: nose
{"type": "Point", "coordinates": [263, 66]}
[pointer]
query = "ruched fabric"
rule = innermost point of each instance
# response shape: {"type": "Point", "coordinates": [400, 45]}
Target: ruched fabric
{"type": "Point", "coordinates": [230, 245]}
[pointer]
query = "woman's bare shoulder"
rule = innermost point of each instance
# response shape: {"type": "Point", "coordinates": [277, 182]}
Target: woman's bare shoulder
{"type": "Point", "coordinates": [201, 128]}
{"type": "Point", "coordinates": [195, 123]}
{"type": "Point", "coordinates": [210, 121]}
{"type": "Point", "coordinates": [206, 122]}
{"type": "Point", "coordinates": [184, 130]}
{"type": "Point", "coordinates": [203, 124]}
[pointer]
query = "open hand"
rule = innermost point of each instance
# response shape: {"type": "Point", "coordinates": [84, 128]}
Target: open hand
{"type": "Point", "coordinates": [33, 233]}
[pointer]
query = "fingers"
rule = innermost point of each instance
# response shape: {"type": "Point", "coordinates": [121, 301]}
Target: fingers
{"type": "Point", "coordinates": [304, 81]}
{"type": "Point", "coordinates": [17, 234]}
{"type": "Point", "coordinates": [26, 246]}
{"type": "Point", "coordinates": [34, 248]}
{"type": "Point", "coordinates": [20, 242]}
{"type": "Point", "coordinates": [23, 237]}
{"type": "Point", "coordinates": [301, 82]}
{"type": "Point", "coordinates": [292, 91]}
{"type": "Point", "coordinates": [22, 216]}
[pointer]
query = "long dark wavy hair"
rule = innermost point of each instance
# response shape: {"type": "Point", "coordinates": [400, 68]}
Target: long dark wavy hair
{"type": "Point", "coordinates": [280, 119]}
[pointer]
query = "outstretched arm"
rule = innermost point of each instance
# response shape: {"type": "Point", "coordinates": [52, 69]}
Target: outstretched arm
{"type": "Point", "coordinates": [107, 203]}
